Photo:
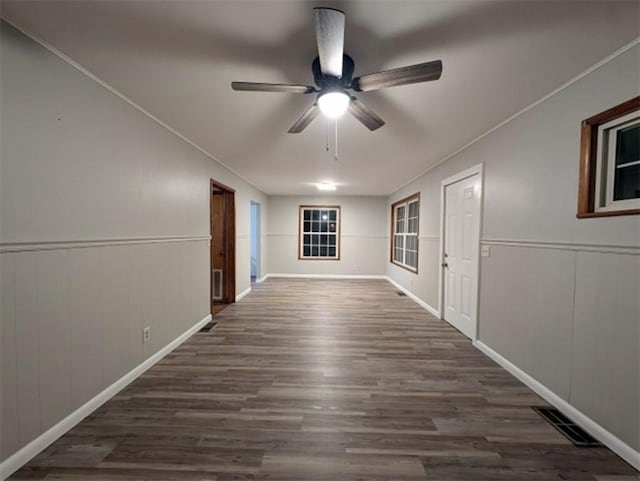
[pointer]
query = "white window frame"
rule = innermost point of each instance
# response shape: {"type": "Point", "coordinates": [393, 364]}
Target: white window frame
{"type": "Point", "coordinates": [413, 199]}
{"type": "Point", "coordinates": [606, 165]}
{"type": "Point", "coordinates": [302, 232]}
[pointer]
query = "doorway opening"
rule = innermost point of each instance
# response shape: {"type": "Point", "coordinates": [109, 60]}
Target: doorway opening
{"type": "Point", "coordinates": [255, 241]}
{"type": "Point", "coordinates": [461, 217]}
{"type": "Point", "coordinates": [223, 246]}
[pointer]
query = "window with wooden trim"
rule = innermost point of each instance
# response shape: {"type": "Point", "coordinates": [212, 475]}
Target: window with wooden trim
{"type": "Point", "coordinates": [319, 232]}
{"type": "Point", "coordinates": [404, 232]}
{"type": "Point", "coordinates": [609, 181]}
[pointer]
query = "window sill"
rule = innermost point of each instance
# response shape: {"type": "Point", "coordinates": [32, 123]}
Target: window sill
{"type": "Point", "coordinates": [318, 258]}
{"type": "Point", "coordinates": [605, 213]}
{"type": "Point", "coordinates": [406, 268]}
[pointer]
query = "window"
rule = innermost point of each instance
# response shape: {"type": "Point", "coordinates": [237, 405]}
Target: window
{"type": "Point", "coordinates": [319, 232]}
{"type": "Point", "coordinates": [618, 174]}
{"type": "Point", "coordinates": [610, 162]}
{"type": "Point", "coordinates": [404, 227]}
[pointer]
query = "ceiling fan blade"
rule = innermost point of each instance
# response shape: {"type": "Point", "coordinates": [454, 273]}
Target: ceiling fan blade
{"type": "Point", "coordinates": [329, 26]}
{"type": "Point", "coordinates": [263, 87]}
{"type": "Point", "coordinates": [305, 119]}
{"type": "Point", "coordinates": [421, 72]}
{"type": "Point", "coordinates": [365, 115]}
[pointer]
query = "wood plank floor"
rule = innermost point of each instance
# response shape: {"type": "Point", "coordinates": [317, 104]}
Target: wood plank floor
{"type": "Point", "coordinates": [327, 381]}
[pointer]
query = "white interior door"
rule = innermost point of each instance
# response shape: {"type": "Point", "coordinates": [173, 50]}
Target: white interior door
{"type": "Point", "coordinates": [461, 246]}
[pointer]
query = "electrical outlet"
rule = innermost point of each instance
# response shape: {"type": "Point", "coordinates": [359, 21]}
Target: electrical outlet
{"type": "Point", "coordinates": [146, 334]}
{"type": "Point", "coordinates": [485, 251]}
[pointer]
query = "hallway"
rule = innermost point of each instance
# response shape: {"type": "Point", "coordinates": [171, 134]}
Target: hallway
{"type": "Point", "coordinates": [323, 380]}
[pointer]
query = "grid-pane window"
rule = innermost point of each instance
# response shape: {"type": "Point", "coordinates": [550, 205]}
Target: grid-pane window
{"type": "Point", "coordinates": [319, 232]}
{"type": "Point", "coordinates": [404, 250]}
{"type": "Point", "coordinates": [618, 169]}
{"type": "Point", "coordinates": [627, 156]}
{"type": "Point", "coordinates": [609, 175]}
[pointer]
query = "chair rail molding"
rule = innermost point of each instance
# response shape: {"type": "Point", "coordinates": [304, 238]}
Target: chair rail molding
{"type": "Point", "coordinates": [564, 245]}
{"type": "Point", "coordinates": [23, 246]}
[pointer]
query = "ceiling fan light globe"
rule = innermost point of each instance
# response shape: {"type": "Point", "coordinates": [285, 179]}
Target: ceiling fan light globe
{"type": "Point", "coordinates": [333, 104]}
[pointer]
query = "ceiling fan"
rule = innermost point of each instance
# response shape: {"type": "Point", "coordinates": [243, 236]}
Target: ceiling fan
{"type": "Point", "coordinates": [333, 76]}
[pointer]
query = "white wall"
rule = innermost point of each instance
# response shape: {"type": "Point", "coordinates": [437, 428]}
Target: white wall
{"type": "Point", "coordinates": [364, 236]}
{"type": "Point", "coordinates": [256, 238]}
{"type": "Point", "coordinates": [104, 225]}
{"type": "Point", "coordinates": [562, 311]}
{"type": "Point", "coordinates": [104, 229]}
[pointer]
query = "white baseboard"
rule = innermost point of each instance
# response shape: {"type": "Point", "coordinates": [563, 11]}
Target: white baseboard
{"type": "Point", "coordinates": [262, 279]}
{"type": "Point", "coordinates": [618, 446]}
{"type": "Point", "coordinates": [243, 293]}
{"type": "Point", "coordinates": [24, 455]}
{"type": "Point", "coordinates": [325, 276]}
{"type": "Point", "coordinates": [420, 302]}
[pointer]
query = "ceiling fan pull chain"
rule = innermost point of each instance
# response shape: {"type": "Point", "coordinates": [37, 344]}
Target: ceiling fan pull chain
{"type": "Point", "coordinates": [336, 151]}
{"type": "Point", "coordinates": [328, 127]}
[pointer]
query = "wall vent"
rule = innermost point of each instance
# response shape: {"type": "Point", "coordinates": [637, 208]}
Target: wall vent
{"type": "Point", "coordinates": [217, 284]}
{"type": "Point", "coordinates": [574, 433]}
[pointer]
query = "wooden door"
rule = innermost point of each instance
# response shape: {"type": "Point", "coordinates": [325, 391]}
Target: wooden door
{"type": "Point", "coordinates": [222, 246]}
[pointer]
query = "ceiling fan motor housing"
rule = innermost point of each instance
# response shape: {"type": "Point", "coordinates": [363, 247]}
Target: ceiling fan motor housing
{"type": "Point", "coordinates": [328, 82]}
{"type": "Point", "coordinates": [333, 75]}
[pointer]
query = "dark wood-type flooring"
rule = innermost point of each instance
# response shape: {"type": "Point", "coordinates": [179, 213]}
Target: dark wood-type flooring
{"type": "Point", "coordinates": [218, 308]}
{"type": "Point", "coordinates": [329, 381]}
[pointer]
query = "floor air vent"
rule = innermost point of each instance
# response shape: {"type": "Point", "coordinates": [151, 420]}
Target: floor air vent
{"type": "Point", "coordinates": [574, 433]}
{"type": "Point", "coordinates": [400, 293]}
{"type": "Point", "coordinates": [208, 326]}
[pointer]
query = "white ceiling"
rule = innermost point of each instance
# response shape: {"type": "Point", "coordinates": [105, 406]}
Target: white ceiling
{"type": "Point", "coordinates": [176, 59]}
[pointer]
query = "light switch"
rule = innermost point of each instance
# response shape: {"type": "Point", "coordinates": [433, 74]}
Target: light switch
{"type": "Point", "coordinates": [485, 251]}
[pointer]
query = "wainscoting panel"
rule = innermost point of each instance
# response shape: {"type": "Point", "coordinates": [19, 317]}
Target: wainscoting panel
{"type": "Point", "coordinates": [27, 350]}
{"type": "Point", "coordinates": [155, 299]}
{"type": "Point", "coordinates": [72, 321]}
{"type": "Point", "coordinates": [54, 346]}
{"type": "Point", "coordinates": [570, 320]}
{"type": "Point", "coordinates": [425, 284]}
{"type": "Point", "coordinates": [121, 311]}
{"type": "Point", "coordinates": [85, 316]}
{"type": "Point", "coordinates": [526, 311]}
{"type": "Point", "coordinates": [359, 255]}
{"type": "Point", "coordinates": [8, 360]}
{"type": "Point", "coordinates": [243, 263]}
{"type": "Point", "coordinates": [606, 339]}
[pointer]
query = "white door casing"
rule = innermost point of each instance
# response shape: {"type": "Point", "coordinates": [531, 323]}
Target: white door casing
{"type": "Point", "coordinates": [462, 196]}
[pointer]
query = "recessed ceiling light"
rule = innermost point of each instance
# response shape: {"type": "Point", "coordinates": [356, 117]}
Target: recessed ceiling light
{"type": "Point", "coordinates": [326, 186]}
